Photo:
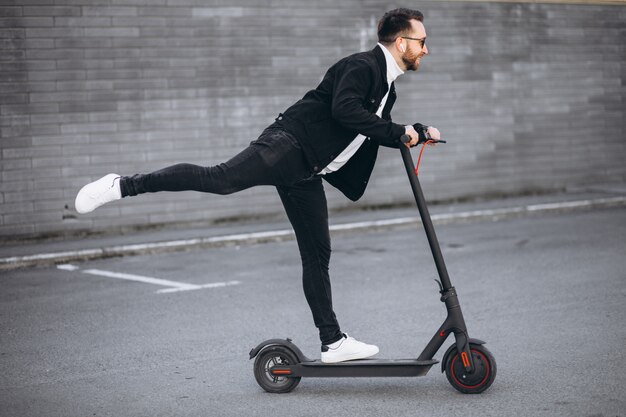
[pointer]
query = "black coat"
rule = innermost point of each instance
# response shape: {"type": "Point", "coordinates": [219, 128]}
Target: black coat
{"type": "Point", "coordinates": [327, 119]}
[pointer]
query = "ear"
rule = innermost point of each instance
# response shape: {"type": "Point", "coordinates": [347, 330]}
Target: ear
{"type": "Point", "coordinates": [400, 44]}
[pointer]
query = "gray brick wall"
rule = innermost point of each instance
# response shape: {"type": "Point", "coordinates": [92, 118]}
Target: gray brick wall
{"type": "Point", "coordinates": [530, 96]}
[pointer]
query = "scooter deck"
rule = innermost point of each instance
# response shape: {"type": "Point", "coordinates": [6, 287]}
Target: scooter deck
{"type": "Point", "coordinates": [357, 368]}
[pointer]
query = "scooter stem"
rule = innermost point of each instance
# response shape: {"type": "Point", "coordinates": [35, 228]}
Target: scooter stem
{"type": "Point", "coordinates": [426, 221]}
{"type": "Point", "coordinates": [454, 322]}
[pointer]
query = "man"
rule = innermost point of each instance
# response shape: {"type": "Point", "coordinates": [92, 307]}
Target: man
{"type": "Point", "coordinates": [333, 133]}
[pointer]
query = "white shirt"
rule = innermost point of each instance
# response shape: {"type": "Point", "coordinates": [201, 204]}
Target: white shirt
{"type": "Point", "coordinates": [393, 72]}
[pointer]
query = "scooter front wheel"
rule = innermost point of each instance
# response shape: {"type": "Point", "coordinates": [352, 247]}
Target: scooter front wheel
{"type": "Point", "coordinates": [266, 360]}
{"type": "Point", "coordinates": [477, 381]}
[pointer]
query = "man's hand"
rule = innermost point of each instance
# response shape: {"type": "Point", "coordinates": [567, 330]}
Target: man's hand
{"type": "Point", "coordinates": [434, 133]}
{"type": "Point", "coordinates": [412, 133]}
{"type": "Point", "coordinates": [431, 132]}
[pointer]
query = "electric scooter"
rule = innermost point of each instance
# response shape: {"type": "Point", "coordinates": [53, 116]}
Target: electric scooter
{"type": "Point", "coordinates": [469, 366]}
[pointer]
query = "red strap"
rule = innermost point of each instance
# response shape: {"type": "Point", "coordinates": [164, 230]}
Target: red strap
{"type": "Point", "coordinates": [419, 159]}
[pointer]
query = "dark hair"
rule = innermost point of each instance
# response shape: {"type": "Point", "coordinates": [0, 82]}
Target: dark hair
{"type": "Point", "coordinates": [396, 22]}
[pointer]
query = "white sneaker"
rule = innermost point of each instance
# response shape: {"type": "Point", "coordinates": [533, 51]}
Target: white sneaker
{"type": "Point", "coordinates": [97, 193]}
{"type": "Point", "coordinates": [347, 349]}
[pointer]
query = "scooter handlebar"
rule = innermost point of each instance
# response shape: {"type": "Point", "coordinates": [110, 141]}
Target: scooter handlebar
{"type": "Point", "coordinates": [407, 138]}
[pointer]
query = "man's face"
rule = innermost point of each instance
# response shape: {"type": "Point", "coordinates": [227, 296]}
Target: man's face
{"type": "Point", "coordinates": [413, 49]}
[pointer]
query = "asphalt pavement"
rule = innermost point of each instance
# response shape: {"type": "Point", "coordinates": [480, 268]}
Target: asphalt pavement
{"type": "Point", "coordinates": [169, 333]}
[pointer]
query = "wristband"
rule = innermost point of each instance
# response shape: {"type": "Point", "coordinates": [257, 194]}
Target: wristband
{"type": "Point", "coordinates": [421, 132]}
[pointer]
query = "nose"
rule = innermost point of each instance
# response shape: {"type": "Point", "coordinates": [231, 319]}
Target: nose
{"type": "Point", "coordinates": [425, 50]}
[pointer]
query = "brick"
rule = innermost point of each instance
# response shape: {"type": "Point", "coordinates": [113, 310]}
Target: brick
{"type": "Point", "coordinates": [113, 74]}
{"type": "Point", "coordinates": [46, 151]}
{"type": "Point", "coordinates": [88, 128]}
{"type": "Point", "coordinates": [85, 2]}
{"type": "Point", "coordinates": [11, 44]}
{"type": "Point", "coordinates": [65, 139]}
{"type": "Point", "coordinates": [38, 43]}
{"type": "Point", "coordinates": [164, 32]}
{"type": "Point", "coordinates": [86, 107]}
{"type": "Point", "coordinates": [24, 207]}
{"type": "Point", "coordinates": [14, 120]}
{"type": "Point", "coordinates": [9, 55]}
{"type": "Point", "coordinates": [87, 172]}
{"type": "Point", "coordinates": [26, 22]}
{"type": "Point", "coordinates": [82, 43]}
{"type": "Point", "coordinates": [141, 42]}
{"type": "Point", "coordinates": [38, 216]}
{"type": "Point", "coordinates": [112, 116]}
{"type": "Point", "coordinates": [54, 32]}
{"type": "Point", "coordinates": [44, 130]}
{"type": "Point", "coordinates": [101, 96]}
{"type": "Point", "coordinates": [109, 11]}
{"type": "Point", "coordinates": [112, 32]}
{"type": "Point", "coordinates": [115, 53]}
{"type": "Point", "coordinates": [164, 11]}
{"type": "Point", "coordinates": [84, 64]}
{"type": "Point", "coordinates": [141, 84]}
{"type": "Point", "coordinates": [8, 109]}
{"type": "Point", "coordinates": [41, 65]}
{"type": "Point", "coordinates": [82, 21]}
{"type": "Point", "coordinates": [161, 53]}
{"type": "Point", "coordinates": [42, 86]}
{"type": "Point", "coordinates": [58, 118]}
{"type": "Point", "coordinates": [10, 11]}
{"type": "Point", "coordinates": [57, 97]}
{"type": "Point", "coordinates": [96, 138]}
{"type": "Point", "coordinates": [16, 186]}
{"type": "Point", "coordinates": [56, 53]}
{"type": "Point", "coordinates": [139, 2]}
{"type": "Point", "coordinates": [60, 161]}
{"type": "Point", "coordinates": [129, 126]}
{"type": "Point", "coordinates": [17, 230]}
{"type": "Point", "coordinates": [54, 206]}
{"type": "Point", "coordinates": [9, 181]}
{"type": "Point", "coordinates": [139, 21]}
{"type": "Point", "coordinates": [12, 33]}
{"type": "Point", "coordinates": [139, 147]}
{"type": "Point", "coordinates": [15, 142]}
{"type": "Point", "coordinates": [51, 11]}
{"type": "Point", "coordinates": [217, 11]}
{"type": "Point", "coordinates": [15, 164]}
{"type": "Point", "coordinates": [103, 158]}
{"type": "Point", "coordinates": [140, 63]}
{"type": "Point", "coordinates": [87, 149]}
{"type": "Point", "coordinates": [13, 87]}
{"type": "Point", "coordinates": [170, 73]}
{"type": "Point", "coordinates": [15, 131]}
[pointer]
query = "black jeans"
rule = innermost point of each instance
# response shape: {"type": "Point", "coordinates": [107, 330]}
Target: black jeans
{"type": "Point", "coordinates": [275, 158]}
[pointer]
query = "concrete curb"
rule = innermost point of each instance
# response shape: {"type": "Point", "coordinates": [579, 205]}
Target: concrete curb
{"type": "Point", "coordinates": [43, 259]}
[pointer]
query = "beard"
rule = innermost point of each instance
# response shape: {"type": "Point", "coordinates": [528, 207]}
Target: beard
{"type": "Point", "coordinates": [410, 61]}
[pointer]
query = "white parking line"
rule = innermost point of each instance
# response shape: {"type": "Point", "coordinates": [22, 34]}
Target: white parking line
{"type": "Point", "coordinates": [138, 278]}
{"type": "Point", "coordinates": [197, 287]}
{"type": "Point", "coordinates": [174, 286]}
{"type": "Point", "coordinates": [68, 267]}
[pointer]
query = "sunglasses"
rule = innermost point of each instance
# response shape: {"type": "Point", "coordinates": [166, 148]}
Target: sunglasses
{"type": "Point", "coordinates": [421, 41]}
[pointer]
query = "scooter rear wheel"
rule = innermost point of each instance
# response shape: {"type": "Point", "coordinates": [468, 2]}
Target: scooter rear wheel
{"type": "Point", "coordinates": [268, 358]}
{"type": "Point", "coordinates": [479, 380]}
